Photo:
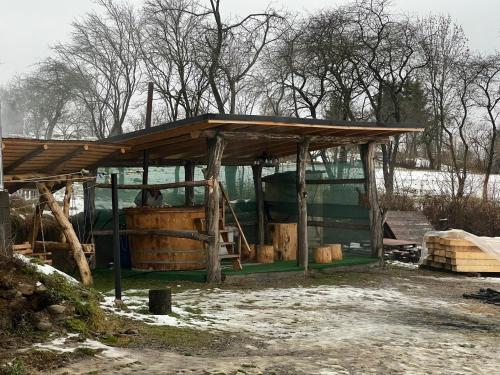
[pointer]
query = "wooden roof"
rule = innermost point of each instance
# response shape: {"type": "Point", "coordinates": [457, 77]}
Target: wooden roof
{"type": "Point", "coordinates": [249, 137]}
{"type": "Point", "coordinates": [30, 158]}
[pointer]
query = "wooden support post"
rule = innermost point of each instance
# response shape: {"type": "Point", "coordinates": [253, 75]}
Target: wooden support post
{"type": "Point", "coordinates": [89, 209]}
{"type": "Point", "coordinates": [37, 219]}
{"type": "Point", "coordinates": [5, 229]}
{"type": "Point", "coordinates": [215, 150]}
{"type": "Point", "coordinates": [145, 155]}
{"type": "Point", "coordinates": [189, 176]}
{"type": "Point", "coordinates": [68, 192]}
{"type": "Point", "coordinates": [259, 201]}
{"type": "Point", "coordinates": [376, 230]}
{"type": "Point", "coordinates": [69, 232]}
{"type": "Point", "coordinates": [302, 248]}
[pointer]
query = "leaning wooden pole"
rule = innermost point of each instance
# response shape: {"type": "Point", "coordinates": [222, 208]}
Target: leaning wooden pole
{"type": "Point", "coordinates": [376, 230]}
{"type": "Point", "coordinates": [302, 245]}
{"type": "Point", "coordinates": [69, 233]}
{"type": "Point", "coordinates": [212, 192]}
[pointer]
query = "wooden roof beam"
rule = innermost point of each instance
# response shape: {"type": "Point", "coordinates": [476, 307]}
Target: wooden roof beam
{"type": "Point", "coordinates": [55, 166]}
{"type": "Point", "coordinates": [25, 158]}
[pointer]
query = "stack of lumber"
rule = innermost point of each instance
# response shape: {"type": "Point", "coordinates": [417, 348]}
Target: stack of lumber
{"type": "Point", "coordinates": [26, 250]}
{"type": "Point", "coordinates": [459, 255]}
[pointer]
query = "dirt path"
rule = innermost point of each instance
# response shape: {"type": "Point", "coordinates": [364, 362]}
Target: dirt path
{"type": "Point", "coordinates": [407, 321]}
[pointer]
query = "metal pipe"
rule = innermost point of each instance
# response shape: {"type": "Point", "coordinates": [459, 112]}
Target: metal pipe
{"type": "Point", "coordinates": [116, 238]}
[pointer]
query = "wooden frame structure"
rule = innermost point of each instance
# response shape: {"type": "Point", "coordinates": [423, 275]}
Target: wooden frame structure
{"type": "Point", "coordinates": [216, 140]}
{"type": "Point", "coordinates": [211, 140]}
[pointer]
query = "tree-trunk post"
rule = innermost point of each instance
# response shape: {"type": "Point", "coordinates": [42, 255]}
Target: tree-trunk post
{"type": "Point", "coordinates": [89, 208]}
{"type": "Point", "coordinates": [69, 233]}
{"type": "Point", "coordinates": [215, 148]}
{"type": "Point", "coordinates": [302, 245]}
{"type": "Point", "coordinates": [259, 202]}
{"type": "Point", "coordinates": [68, 192]}
{"type": "Point", "coordinates": [376, 230]}
{"type": "Point", "coordinates": [189, 176]}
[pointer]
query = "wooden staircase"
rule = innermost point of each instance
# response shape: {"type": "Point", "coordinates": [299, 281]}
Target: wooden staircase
{"type": "Point", "coordinates": [229, 241]}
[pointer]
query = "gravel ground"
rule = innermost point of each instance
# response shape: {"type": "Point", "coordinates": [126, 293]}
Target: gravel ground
{"type": "Point", "coordinates": [392, 321]}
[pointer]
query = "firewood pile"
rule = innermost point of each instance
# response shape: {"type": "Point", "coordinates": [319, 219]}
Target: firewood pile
{"type": "Point", "coordinates": [486, 295]}
{"type": "Point", "coordinates": [458, 255]}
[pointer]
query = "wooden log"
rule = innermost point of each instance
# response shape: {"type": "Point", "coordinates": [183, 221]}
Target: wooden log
{"type": "Point", "coordinates": [54, 246]}
{"type": "Point", "coordinates": [284, 238]}
{"type": "Point", "coordinates": [250, 253]}
{"type": "Point", "coordinates": [259, 202]}
{"type": "Point", "coordinates": [302, 247]}
{"type": "Point", "coordinates": [68, 192]}
{"type": "Point", "coordinates": [336, 251]}
{"type": "Point", "coordinates": [337, 181]}
{"type": "Point", "coordinates": [189, 190]}
{"type": "Point", "coordinates": [376, 230]}
{"type": "Point", "coordinates": [192, 235]}
{"type": "Point", "coordinates": [5, 225]}
{"type": "Point", "coordinates": [170, 185]}
{"type": "Point", "coordinates": [323, 255]}
{"type": "Point", "coordinates": [215, 148]}
{"type": "Point", "coordinates": [160, 301]}
{"type": "Point", "coordinates": [265, 254]}
{"type": "Point", "coordinates": [70, 234]}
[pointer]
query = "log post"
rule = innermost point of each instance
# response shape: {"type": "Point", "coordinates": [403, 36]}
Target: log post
{"type": "Point", "coordinates": [36, 222]}
{"type": "Point", "coordinates": [259, 202]}
{"type": "Point", "coordinates": [215, 148]}
{"type": "Point", "coordinates": [89, 208]}
{"type": "Point", "coordinates": [189, 176]}
{"type": "Point", "coordinates": [68, 192]}
{"type": "Point", "coordinates": [5, 230]}
{"type": "Point", "coordinates": [376, 230]}
{"type": "Point", "coordinates": [302, 246]}
{"type": "Point", "coordinates": [69, 233]}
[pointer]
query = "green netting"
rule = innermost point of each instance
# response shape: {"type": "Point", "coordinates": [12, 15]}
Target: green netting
{"type": "Point", "coordinates": [336, 212]}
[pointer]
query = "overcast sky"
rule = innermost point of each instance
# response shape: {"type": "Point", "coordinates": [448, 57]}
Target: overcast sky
{"type": "Point", "coordinates": [29, 27]}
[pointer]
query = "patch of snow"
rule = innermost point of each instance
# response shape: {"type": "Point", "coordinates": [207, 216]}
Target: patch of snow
{"type": "Point", "coordinates": [45, 268]}
{"type": "Point", "coordinates": [67, 345]}
{"type": "Point", "coordinates": [398, 263]}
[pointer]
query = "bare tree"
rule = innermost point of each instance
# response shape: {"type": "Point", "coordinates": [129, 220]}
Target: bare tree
{"type": "Point", "coordinates": [488, 100]}
{"type": "Point", "coordinates": [444, 44]}
{"type": "Point", "coordinates": [386, 58]}
{"type": "Point", "coordinates": [104, 53]}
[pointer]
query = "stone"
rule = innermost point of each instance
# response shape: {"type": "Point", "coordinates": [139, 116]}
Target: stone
{"type": "Point", "coordinates": [40, 289]}
{"type": "Point", "coordinates": [131, 331]}
{"type": "Point", "coordinates": [56, 309]}
{"type": "Point", "coordinates": [26, 289]}
{"type": "Point", "coordinates": [43, 325]}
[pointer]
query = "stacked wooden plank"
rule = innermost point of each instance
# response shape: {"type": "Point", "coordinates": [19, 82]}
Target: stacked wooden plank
{"type": "Point", "coordinates": [26, 250]}
{"type": "Point", "coordinates": [459, 255]}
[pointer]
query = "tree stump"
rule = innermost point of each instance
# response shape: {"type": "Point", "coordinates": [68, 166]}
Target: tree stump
{"type": "Point", "coordinates": [160, 301]}
{"type": "Point", "coordinates": [336, 250]}
{"type": "Point", "coordinates": [284, 237]}
{"type": "Point", "coordinates": [265, 254]}
{"type": "Point", "coordinates": [249, 255]}
{"type": "Point", "coordinates": [323, 255]}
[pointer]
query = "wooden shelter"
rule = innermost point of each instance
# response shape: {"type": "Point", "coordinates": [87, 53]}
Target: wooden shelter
{"type": "Point", "coordinates": [212, 140]}
{"type": "Point", "coordinates": [217, 139]}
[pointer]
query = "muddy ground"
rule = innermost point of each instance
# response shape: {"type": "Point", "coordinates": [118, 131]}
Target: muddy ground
{"type": "Point", "coordinates": [392, 321]}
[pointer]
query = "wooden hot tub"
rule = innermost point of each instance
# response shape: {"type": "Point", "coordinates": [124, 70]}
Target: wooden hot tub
{"type": "Point", "coordinates": [162, 253]}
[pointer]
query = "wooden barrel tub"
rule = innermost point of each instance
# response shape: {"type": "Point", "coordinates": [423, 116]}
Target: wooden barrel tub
{"type": "Point", "coordinates": [160, 253]}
